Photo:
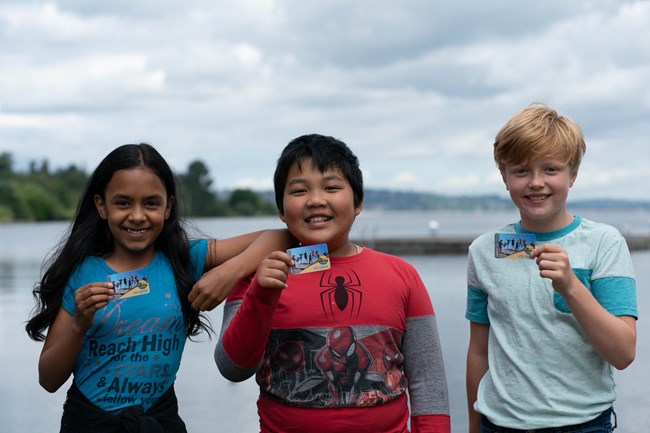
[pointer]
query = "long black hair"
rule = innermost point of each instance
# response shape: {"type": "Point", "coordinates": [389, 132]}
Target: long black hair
{"type": "Point", "coordinates": [89, 235]}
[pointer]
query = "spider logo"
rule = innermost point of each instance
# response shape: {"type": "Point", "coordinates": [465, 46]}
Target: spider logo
{"type": "Point", "coordinates": [340, 291]}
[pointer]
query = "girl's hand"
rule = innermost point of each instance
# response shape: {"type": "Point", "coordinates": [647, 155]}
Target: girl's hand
{"type": "Point", "coordinates": [272, 272]}
{"type": "Point", "coordinates": [553, 263]}
{"type": "Point", "coordinates": [213, 287]}
{"type": "Point", "coordinates": [88, 299]}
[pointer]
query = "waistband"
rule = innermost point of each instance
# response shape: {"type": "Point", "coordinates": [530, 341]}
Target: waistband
{"type": "Point", "coordinates": [599, 421]}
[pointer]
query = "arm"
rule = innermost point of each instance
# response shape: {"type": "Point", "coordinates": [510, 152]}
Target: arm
{"type": "Point", "coordinates": [65, 336]}
{"type": "Point", "coordinates": [477, 366]}
{"type": "Point", "coordinates": [243, 339]}
{"type": "Point", "coordinates": [230, 260]}
{"type": "Point", "coordinates": [613, 337]}
{"type": "Point", "coordinates": [425, 369]}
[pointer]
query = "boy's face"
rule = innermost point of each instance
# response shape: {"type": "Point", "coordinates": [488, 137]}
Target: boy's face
{"type": "Point", "coordinates": [540, 189]}
{"type": "Point", "coordinates": [319, 207]}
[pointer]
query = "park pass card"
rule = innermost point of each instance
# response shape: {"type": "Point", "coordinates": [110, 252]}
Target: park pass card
{"type": "Point", "coordinates": [513, 245]}
{"type": "Point", "coordinates": [309, 258]}
{"type": "Point", "coordinates": [128, 284]}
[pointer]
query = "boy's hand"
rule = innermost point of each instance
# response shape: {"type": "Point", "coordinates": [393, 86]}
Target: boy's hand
{"type": "Point", "coordinates": [274, 269]}
{"type": "Point", "coordinates": [553, 263]}
{"type": "Point", "coordinates": [88, 299]}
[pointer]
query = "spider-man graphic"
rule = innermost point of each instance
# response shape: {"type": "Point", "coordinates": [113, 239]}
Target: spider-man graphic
{"type": "Point", "coordinates": [344, 362]}
{"type": "Point", "coordinates": [393, 358]}
{"type": "Point", "coordinates": [340, 293]}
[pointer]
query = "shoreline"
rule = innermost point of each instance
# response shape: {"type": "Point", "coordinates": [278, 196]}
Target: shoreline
{"type": "Point", "coordinates": [457, 245]}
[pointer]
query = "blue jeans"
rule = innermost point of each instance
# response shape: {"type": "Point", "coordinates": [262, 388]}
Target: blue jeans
{"type": "Point", "coordinates": [601, 424]}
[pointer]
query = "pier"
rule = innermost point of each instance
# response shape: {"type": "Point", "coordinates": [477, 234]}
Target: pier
{"type": "Point", "coordinates": [457, 245]}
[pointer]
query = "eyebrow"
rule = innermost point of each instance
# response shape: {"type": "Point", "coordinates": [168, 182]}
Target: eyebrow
{"type": "Point", "coordinates": [126, 196]}
{"type": "Point", "coordinates": [326, 179]}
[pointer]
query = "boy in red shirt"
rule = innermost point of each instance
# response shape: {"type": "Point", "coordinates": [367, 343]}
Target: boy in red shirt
{"type": "Point", "coordinates": [334, 350]}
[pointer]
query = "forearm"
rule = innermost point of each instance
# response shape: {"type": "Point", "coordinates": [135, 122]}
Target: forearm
{"type": "Point", "coordinates": [243, 339]}
{"type": "Point", "coordinates": [613, 337]}
{"type": "Point", "coordinates": [477, 366]}
{"type": "Point", "coordinates": [243, 254]}
{"type": "Point", "coordinates": [216, 284]}
{"type": "Point", "coordinates": [57, 359]}
{"type": "Point", "coordinates": [424, 367]}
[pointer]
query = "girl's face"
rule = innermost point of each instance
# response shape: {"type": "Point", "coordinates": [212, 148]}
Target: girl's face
{"type": "Point", "coordinates": [319, 207]}
{"type": "Point", "coordinates": [135, 206]}
{"type": "Point", "coordinates": [540, 189]}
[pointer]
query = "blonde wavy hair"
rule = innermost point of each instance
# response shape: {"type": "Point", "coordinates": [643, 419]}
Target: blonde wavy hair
{"type": "Point", "coordinates": [536, 132]}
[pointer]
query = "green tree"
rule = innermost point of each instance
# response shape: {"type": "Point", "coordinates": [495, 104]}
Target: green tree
{"type": "Point", "coordinates": [197, 195]}
{"type": "Point", "coordinates": [247, 202]}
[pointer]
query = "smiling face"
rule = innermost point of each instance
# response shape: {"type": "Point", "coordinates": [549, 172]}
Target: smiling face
{"type": "Point", "coordinates": [540, 189]}
{"type": "Point", "coordinates": [135, 206]}
{"type": "Point", "coordinates": [319, 207]}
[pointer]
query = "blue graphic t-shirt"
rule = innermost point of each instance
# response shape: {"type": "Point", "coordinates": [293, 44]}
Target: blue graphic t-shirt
{"type": "Point", "coordinates": [131, 354]}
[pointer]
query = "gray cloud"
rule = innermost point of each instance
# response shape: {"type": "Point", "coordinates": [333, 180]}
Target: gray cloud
{"type": "Point", "coordinates": [418, 89]}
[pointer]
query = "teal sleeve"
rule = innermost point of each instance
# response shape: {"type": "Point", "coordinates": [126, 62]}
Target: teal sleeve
{"type": "Point", "coordinates": [198, 255]}
{"type": "Point", "coordinates": [477, 302]}
{"type": "Point", "coordinates": [616, 294]}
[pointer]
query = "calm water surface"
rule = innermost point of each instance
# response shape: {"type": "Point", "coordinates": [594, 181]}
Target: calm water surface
{"type": "Point", "coordinates": [209, 403]}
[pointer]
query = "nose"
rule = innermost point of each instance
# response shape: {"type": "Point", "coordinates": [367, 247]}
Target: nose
{"type": "Point", "coordinates": [315, 199]}
{"type": "Point", "coordinates": [137, 214]}
{"type": "Point", "coordinates": [536, 180]}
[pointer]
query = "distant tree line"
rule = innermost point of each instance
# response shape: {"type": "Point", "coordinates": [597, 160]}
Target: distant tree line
{"type": "Point", "coordinates": [43, 194]}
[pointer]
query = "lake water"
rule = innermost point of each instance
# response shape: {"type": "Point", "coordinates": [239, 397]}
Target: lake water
{"type": "Point", "coordinates": [211, 404]}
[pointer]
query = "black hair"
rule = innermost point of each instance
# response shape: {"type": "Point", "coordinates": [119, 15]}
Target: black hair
{"type": "Point", "coordinates": [325, 153]}
{"type": "Point", "coordinates": [89, 235]}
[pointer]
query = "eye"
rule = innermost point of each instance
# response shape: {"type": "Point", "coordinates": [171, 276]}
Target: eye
{"type": "Point", "coordinates": [121, 203]}
{"type": "Point", "coordinates": [333, 188]}
{"type": "Point", "coordinates": [297, 191]}
{"type": "Point", "coordinates": [152, 203]}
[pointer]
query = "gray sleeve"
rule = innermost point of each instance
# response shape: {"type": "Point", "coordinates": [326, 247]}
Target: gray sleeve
{"type": "Point", "coordinates": [226, 366]}
{"type": "Point", "coordinates": [424, 367]}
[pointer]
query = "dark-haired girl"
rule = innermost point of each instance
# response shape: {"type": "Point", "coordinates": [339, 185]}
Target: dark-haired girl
{"type": "Point", "coordinates": [124, 349]}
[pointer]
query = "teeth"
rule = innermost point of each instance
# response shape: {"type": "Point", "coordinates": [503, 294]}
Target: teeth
{"type": "Point", "coordinates": [135, 232]}
{"type": "Point", "coordinates": [317, 219]}
{"type": "Point", "coordinates": [537, 197]}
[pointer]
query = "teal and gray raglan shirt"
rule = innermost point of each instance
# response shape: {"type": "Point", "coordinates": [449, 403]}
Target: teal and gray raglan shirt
{"type": "Point", "coordinates": [543, 371]}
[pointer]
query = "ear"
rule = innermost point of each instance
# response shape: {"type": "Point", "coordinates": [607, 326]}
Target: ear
{"type": "Point", "coordinates": [574, 175]}
{"type": "Point", "coordinates": [357, 210]}
{"type": "Point", "coordinates": [170, 204]}
{"type": "Point", "coordinates": [100, 205]}
{"type": "Point", "coordinates": [281, 216]}
{"type": "Point", "coordinates": [503, 177]}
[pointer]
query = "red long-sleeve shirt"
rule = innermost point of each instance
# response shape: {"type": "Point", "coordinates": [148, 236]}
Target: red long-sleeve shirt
{"type": "Point", "coordinates": [340, 349]}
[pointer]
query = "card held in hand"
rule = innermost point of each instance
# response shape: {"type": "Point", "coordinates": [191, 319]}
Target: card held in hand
{"type": "Point", "coordinates": [309, 258]}
{"type": "Point", "coordinates": [131, 283]}
{"type": "Point", "coordinates": [513, 245]}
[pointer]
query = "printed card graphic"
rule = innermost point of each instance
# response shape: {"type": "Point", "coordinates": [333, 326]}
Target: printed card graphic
{"type": "Point", "coordinates": [309, 258]}
{"type": "Point", "coordinates": [127, 284]}
{"type": "Point", "coordinates": [513, 245]}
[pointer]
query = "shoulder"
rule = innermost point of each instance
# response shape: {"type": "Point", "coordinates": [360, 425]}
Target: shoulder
{"type": "Point", "coordinates": [601, 233]}
{"type": "Point", "coordinates": [385, 258]}
{"type": "Point", "coordinates": [89, 265]}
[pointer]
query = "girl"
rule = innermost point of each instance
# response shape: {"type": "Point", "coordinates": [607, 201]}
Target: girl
{"type": "Point", "coordinates": [124, 346]}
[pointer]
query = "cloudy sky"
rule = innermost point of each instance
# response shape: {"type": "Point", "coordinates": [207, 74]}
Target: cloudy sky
{"type": "Point", "coordinates": [418, 89]}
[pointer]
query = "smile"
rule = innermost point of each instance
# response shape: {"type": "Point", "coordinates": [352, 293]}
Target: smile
{"type": "Point", "coordinates": [318, 219]}
{"type": "Point", "coordinates": [135, 232]}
